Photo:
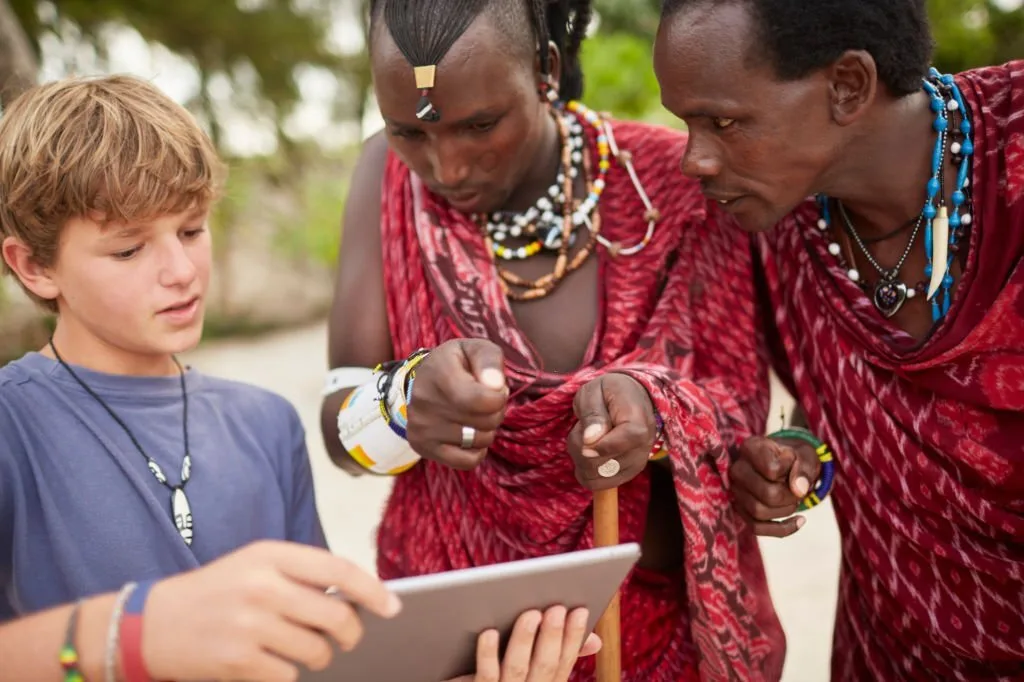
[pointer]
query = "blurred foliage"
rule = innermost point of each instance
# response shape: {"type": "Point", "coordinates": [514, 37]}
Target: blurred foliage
{"type": "Point", "coordinates": [313, 234]}
{"type": "Point", "coordinates": [258, 45]}
{"type": "Point", "coordinates": [620, 77]}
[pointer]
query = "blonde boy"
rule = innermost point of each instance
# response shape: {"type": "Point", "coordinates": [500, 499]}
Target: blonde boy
{"type": "Point", "coordinates": [118, 464]}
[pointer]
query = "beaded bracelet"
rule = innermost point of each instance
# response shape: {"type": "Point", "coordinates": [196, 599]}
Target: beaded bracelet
{"type": "Point", "coordinates": [821, 448]}
{"type": "Point", "coordinates": [68, 653]}
{"type": "Point", "coordinates": [394, 415]}
{"type": "Point", "coordinates": [658, 450]}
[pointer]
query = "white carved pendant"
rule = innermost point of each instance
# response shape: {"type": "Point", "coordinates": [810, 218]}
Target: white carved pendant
{"type": "Point", "coordinates": [181, 510]}
{"type": "Point", "coordinates": [157, 472]}
{"type": "Point", "coordinates": [940, 250]}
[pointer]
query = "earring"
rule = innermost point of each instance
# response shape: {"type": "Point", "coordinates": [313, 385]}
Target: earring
{"type": "Point", "coordinates": [549, 91]}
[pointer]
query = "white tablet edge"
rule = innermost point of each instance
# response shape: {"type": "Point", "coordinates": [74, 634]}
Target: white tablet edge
{"type": "Point", "coordinates": [400, 586]}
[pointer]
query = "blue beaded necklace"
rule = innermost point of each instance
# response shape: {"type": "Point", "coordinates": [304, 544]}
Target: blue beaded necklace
{"type": "Point", "coordinates": [943, 225]}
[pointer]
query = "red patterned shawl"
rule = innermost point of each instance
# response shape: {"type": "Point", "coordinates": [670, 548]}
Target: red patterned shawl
{"type": "Point", "coordinates": [680, 318]}
{"type": "Point", "coordinates": [929, 438]}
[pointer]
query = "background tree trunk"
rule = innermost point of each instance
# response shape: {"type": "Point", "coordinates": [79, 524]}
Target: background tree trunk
{"type": "Point", "coordinates": [18, 64]}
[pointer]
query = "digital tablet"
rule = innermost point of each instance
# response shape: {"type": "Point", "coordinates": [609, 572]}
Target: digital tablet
{"type": "Point", "coordinates": [434, 637]}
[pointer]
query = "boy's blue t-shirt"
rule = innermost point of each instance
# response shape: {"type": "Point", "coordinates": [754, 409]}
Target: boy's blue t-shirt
{"type": "Point", "coordinates": [80, 512]}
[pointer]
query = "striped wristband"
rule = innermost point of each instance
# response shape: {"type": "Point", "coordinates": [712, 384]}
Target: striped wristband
{"type": "Point", "coordinates": [134, 667]}
{"type": "Point", "coordinates": [824, 452]}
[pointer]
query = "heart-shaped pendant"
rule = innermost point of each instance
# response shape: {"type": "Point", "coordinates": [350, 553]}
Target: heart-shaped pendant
{"type": "Point", "coordinates": [889, 296]}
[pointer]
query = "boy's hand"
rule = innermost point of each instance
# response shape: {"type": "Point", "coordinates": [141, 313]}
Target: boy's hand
{"type": "Point", "coordinates": [246, 615]}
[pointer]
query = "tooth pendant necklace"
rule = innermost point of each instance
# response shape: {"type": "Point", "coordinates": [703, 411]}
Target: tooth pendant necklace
{"type": "Point", "coordinates": [943, 224]}
{"type": "Point", "coordinates": [181, 510]}
{"type": "Point", "coordinates": [890, 293]}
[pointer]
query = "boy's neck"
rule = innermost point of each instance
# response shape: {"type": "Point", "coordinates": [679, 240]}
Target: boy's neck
{"type": "Point", "coordinates": [82, 349]}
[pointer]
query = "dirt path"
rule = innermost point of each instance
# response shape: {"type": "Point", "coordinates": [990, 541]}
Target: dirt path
{"type": "Point", "coordinates": [802, 570]}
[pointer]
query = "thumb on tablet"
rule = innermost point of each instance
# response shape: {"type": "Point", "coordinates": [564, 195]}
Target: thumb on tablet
{"type": "Point", "coordinates": [592, 645]}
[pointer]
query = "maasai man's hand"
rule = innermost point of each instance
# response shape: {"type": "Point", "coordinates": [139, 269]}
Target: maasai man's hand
{"type": "Point", "coordinates": [458, 402]}
{"type": "Point", "coordinates": [542, 648]}
{"type": "Point", "coordinates": [769, 479]}
{"type": "Point", "coordinates": [616, 424]}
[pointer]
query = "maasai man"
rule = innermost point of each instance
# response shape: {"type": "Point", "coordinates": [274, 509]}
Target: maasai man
{"type": "Point", "coordinates": [889, 202]}
{"type": "Point", "coordinates": [583, 311]}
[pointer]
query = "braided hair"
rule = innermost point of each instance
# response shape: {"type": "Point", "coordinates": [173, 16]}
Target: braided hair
{"type": "Point", "coordinates": [425, 30]}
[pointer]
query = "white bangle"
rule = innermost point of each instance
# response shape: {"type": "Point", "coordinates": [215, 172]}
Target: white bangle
{"type": "Point", "coordinates": [113, 632]}
{"type": "Point", "coordinates": [341, 378]}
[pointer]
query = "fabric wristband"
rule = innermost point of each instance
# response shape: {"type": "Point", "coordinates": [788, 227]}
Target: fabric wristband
{"type": "Point", "coordinates": [133, 666]}
{"type": "Point", "coordinates": [113, 633]}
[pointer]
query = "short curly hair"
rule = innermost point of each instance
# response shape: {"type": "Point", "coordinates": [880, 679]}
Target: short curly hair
{"type": "Point", "coordinates": [799, 36]}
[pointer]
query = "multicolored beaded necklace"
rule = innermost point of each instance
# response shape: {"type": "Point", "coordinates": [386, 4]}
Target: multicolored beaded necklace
{"type": "Point", "coordinates": [555, 217]}
{"type": "Point", "coordinates": [543, 220]}
{"type": "Point", "coordinates": [943, 225]}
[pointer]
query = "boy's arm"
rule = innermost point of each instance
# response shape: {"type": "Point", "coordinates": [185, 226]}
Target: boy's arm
{"type": "Point", "coordinates": [303, 522]}
{"type": "Point", "coordinates": [29, 646]}
{"type": "Point", "coordinates": [248, 615]}
{"type": "Point", "coordinates": [10, 447]}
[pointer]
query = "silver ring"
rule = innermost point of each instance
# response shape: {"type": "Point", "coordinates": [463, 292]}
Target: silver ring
{"type": "Point", "coordinates": [609, 468]}
{"type": "Point", "coordinates": [468, 436]}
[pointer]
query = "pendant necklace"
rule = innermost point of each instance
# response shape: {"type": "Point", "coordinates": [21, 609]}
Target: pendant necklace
{"type": "Point", "coordinates": [181, 510]}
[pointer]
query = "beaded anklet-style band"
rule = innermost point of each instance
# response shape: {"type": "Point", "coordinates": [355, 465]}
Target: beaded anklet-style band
{"type": "Point", "coordinates": [68, 653]}
{"type": "Point", "coordinates": [658, 450]}
{"type": "Point", "coordinates": [824, 452]}
{"type": "Point", "coordinates": [392, 392]}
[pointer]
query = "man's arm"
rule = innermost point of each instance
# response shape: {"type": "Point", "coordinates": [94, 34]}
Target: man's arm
{"type": "Point", "coordinates": [358, 334]}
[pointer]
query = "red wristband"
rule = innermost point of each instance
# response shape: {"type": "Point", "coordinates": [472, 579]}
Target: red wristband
{"type": "Point", "coordinates": [131, 635]}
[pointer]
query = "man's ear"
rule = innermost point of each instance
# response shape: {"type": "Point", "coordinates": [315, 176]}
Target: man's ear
{"type": "Point", "coordinates": [853, 85]}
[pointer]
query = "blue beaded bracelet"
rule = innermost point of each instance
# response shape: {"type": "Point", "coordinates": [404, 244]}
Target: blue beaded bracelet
{"type": "Point", "coordinates": [824, 452]}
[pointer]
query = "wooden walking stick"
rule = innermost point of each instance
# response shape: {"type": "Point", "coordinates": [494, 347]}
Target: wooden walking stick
{"type": "Point", "coordinates": [606, 534]}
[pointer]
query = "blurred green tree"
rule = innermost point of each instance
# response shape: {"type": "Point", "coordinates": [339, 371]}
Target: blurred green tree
{"type": "Point", "coordinates": [257, 45]}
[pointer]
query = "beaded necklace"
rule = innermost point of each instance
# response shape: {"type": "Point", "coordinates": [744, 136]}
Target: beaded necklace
{"type": "Point", "coordinates": [554, 218]}
{"type": "Point", "coordinates": [943, 225]}
{"type": "Point", "coordinates": [543, 220]}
